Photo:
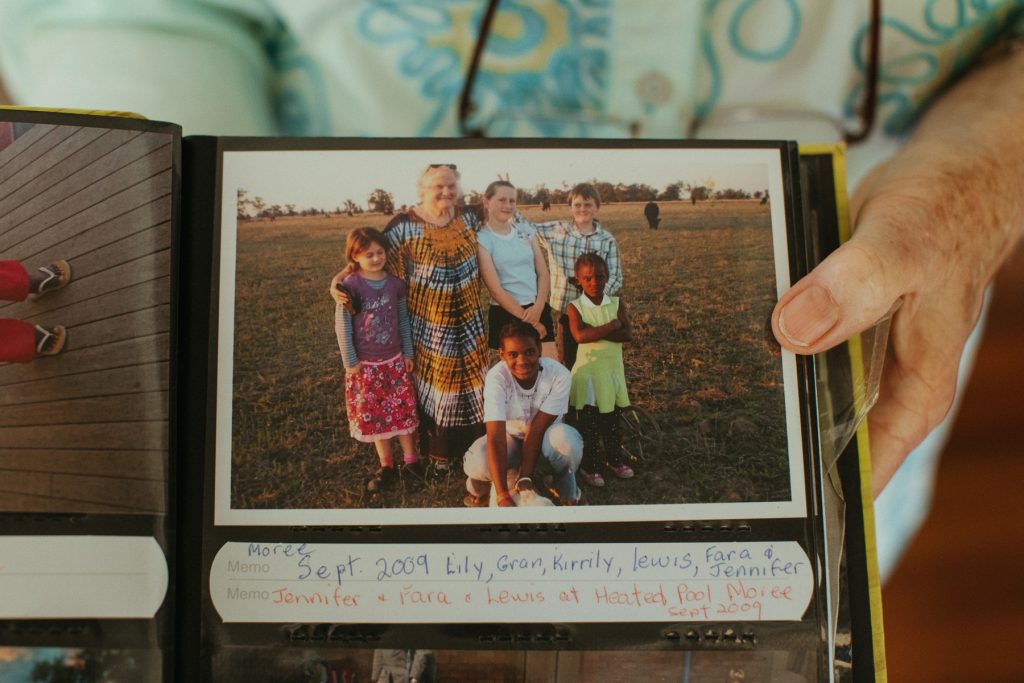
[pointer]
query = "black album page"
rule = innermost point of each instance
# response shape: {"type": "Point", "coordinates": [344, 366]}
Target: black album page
{"type": "Point", "coordinates": [700, 541]}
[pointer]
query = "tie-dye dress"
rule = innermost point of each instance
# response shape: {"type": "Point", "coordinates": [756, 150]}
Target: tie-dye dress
{"type": "Point", "coordinates": [439, 263]}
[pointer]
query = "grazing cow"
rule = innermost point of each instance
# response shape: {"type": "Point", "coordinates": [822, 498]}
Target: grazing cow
{"type": "Point", "coordinates": [651, 211]}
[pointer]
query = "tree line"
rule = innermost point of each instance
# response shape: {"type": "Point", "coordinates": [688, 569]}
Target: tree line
{"type": "Point", "coordinates": [382, 201]}
{"type": "Point", "coordinates": [631, 192]}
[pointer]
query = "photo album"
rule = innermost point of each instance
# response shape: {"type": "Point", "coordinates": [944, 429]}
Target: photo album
{"type": "Point", "coordinates": [320, 409]}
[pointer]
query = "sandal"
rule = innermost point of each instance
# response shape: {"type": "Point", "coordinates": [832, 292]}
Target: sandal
{"type": "Point", "coordinates": [52, 341]}
{"type": "Point", "coordinates": [472, 501]}
{"type": "Point", "coordinates": [58, 274]}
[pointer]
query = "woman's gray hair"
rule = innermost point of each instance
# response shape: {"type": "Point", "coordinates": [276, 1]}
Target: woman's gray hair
{"type": "Point", "coordinates": [421, 183]}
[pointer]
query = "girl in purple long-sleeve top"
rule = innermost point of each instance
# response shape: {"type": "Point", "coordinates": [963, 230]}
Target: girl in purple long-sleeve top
{"type": "Point", "coordinates": [376, 348]}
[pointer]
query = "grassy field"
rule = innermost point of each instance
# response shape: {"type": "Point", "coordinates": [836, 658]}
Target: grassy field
{"type": "Point", "coordinates": [700, 290]}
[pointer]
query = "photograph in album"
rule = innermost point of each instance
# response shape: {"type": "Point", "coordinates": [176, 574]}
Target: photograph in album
{"type": "Point", "coordinates": [692, 244]}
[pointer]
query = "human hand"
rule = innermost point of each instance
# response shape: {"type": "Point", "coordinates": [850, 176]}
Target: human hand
{"type": "Point", "coordinates": [541, 330]}
{"type": "Point", "coordinates": [923, 241]}
{"type": "Point", "coordinates": [409, 364]}
{"type": "Point", "coordinates": [531, 314]}
{"type": "Point", "coordinates": [341, 296]}
{"type": "Point", "coordinates": [932, 224]}
{"type": "Point", "coordinates": [354, 370]}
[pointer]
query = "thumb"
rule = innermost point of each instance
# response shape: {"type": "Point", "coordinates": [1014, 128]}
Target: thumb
{"type": "Point", "coordinates": [845, 294]}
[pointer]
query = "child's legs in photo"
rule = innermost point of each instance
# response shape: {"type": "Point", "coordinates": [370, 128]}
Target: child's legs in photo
{"type": "Point", "coordinates": [474, 464]}
{"type": "Point", "coordinates": [383, 447]}
{"type": "Point", "coordinates": [17, 341]}
{"type": "Point", "coordinates": [611, 436]}
{"type": "Point", "coordinates": [14, 281]}
{"type": "Point", "coordinates": [408, 444]}
{"type": "Point", "coordinates": [587, 420]}
{"type": "Point", "coordinates": [387, 476]}
{"type": "Point", "coordinates": [562, 448]}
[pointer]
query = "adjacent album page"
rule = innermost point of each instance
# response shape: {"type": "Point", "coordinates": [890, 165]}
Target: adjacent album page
{"type": "Point", "coordinates": [709, 555]}
{"type": "Point", "coordinates": [88, 212]}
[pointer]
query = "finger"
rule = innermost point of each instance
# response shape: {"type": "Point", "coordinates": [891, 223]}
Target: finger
{"type": "Point", "coordinates": [909, 406]}
{"type": "Point", "coordinates": [845, 294]}
{"type": "Point", "coordinates": [918, 384]}
{"type": "Point", "coordinates": [894, 433]}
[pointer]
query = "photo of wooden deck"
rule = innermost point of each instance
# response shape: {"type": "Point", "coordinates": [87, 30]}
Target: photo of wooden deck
{"type": "Point", "coordinates": [86, 430]}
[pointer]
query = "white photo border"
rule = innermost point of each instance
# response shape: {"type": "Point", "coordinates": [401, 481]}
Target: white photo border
{"type": "Point", "coordinates": [235, 165]}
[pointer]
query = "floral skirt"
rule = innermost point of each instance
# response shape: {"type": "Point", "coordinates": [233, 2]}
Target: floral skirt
{"type": "Point", "coordinates": [381, 401]}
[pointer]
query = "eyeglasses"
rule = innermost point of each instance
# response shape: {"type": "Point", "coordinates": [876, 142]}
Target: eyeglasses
{"type": "Point", "coordinates": [597, 124]}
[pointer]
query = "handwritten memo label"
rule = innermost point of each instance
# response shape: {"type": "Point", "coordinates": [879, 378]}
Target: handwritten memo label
{"type": "Point", "coordinates": [66, 577]}
{"type": "Point", "coordinates": [477, 583]}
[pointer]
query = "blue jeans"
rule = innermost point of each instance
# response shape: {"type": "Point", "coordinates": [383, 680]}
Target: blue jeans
{"type": "Point", "coordinates": [562, 449]}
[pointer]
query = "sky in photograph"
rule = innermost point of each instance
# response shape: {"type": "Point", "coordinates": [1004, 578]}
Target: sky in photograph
{"type": "Point", "coordinates": [325, 179]}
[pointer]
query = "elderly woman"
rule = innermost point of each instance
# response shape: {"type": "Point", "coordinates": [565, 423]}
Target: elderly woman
{"type": "Point", "coordinates": [433, 247]}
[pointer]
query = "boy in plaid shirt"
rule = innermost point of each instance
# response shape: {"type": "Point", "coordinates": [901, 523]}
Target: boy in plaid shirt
{"type": "Point", "coordinates": [566, 241]}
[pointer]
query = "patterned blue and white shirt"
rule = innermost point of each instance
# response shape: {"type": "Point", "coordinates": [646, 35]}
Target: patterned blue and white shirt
{"type": "Point", "coordinates": [550, 68]}
{"type": "Point", "coordinates": [564, 244]}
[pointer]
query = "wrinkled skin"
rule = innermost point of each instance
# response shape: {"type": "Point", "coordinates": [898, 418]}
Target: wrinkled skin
{"type": "Point", "coordinates": [931, 228]}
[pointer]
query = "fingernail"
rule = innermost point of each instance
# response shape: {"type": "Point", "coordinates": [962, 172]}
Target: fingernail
{"type": "Point", "coordinates": [806, 318]}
